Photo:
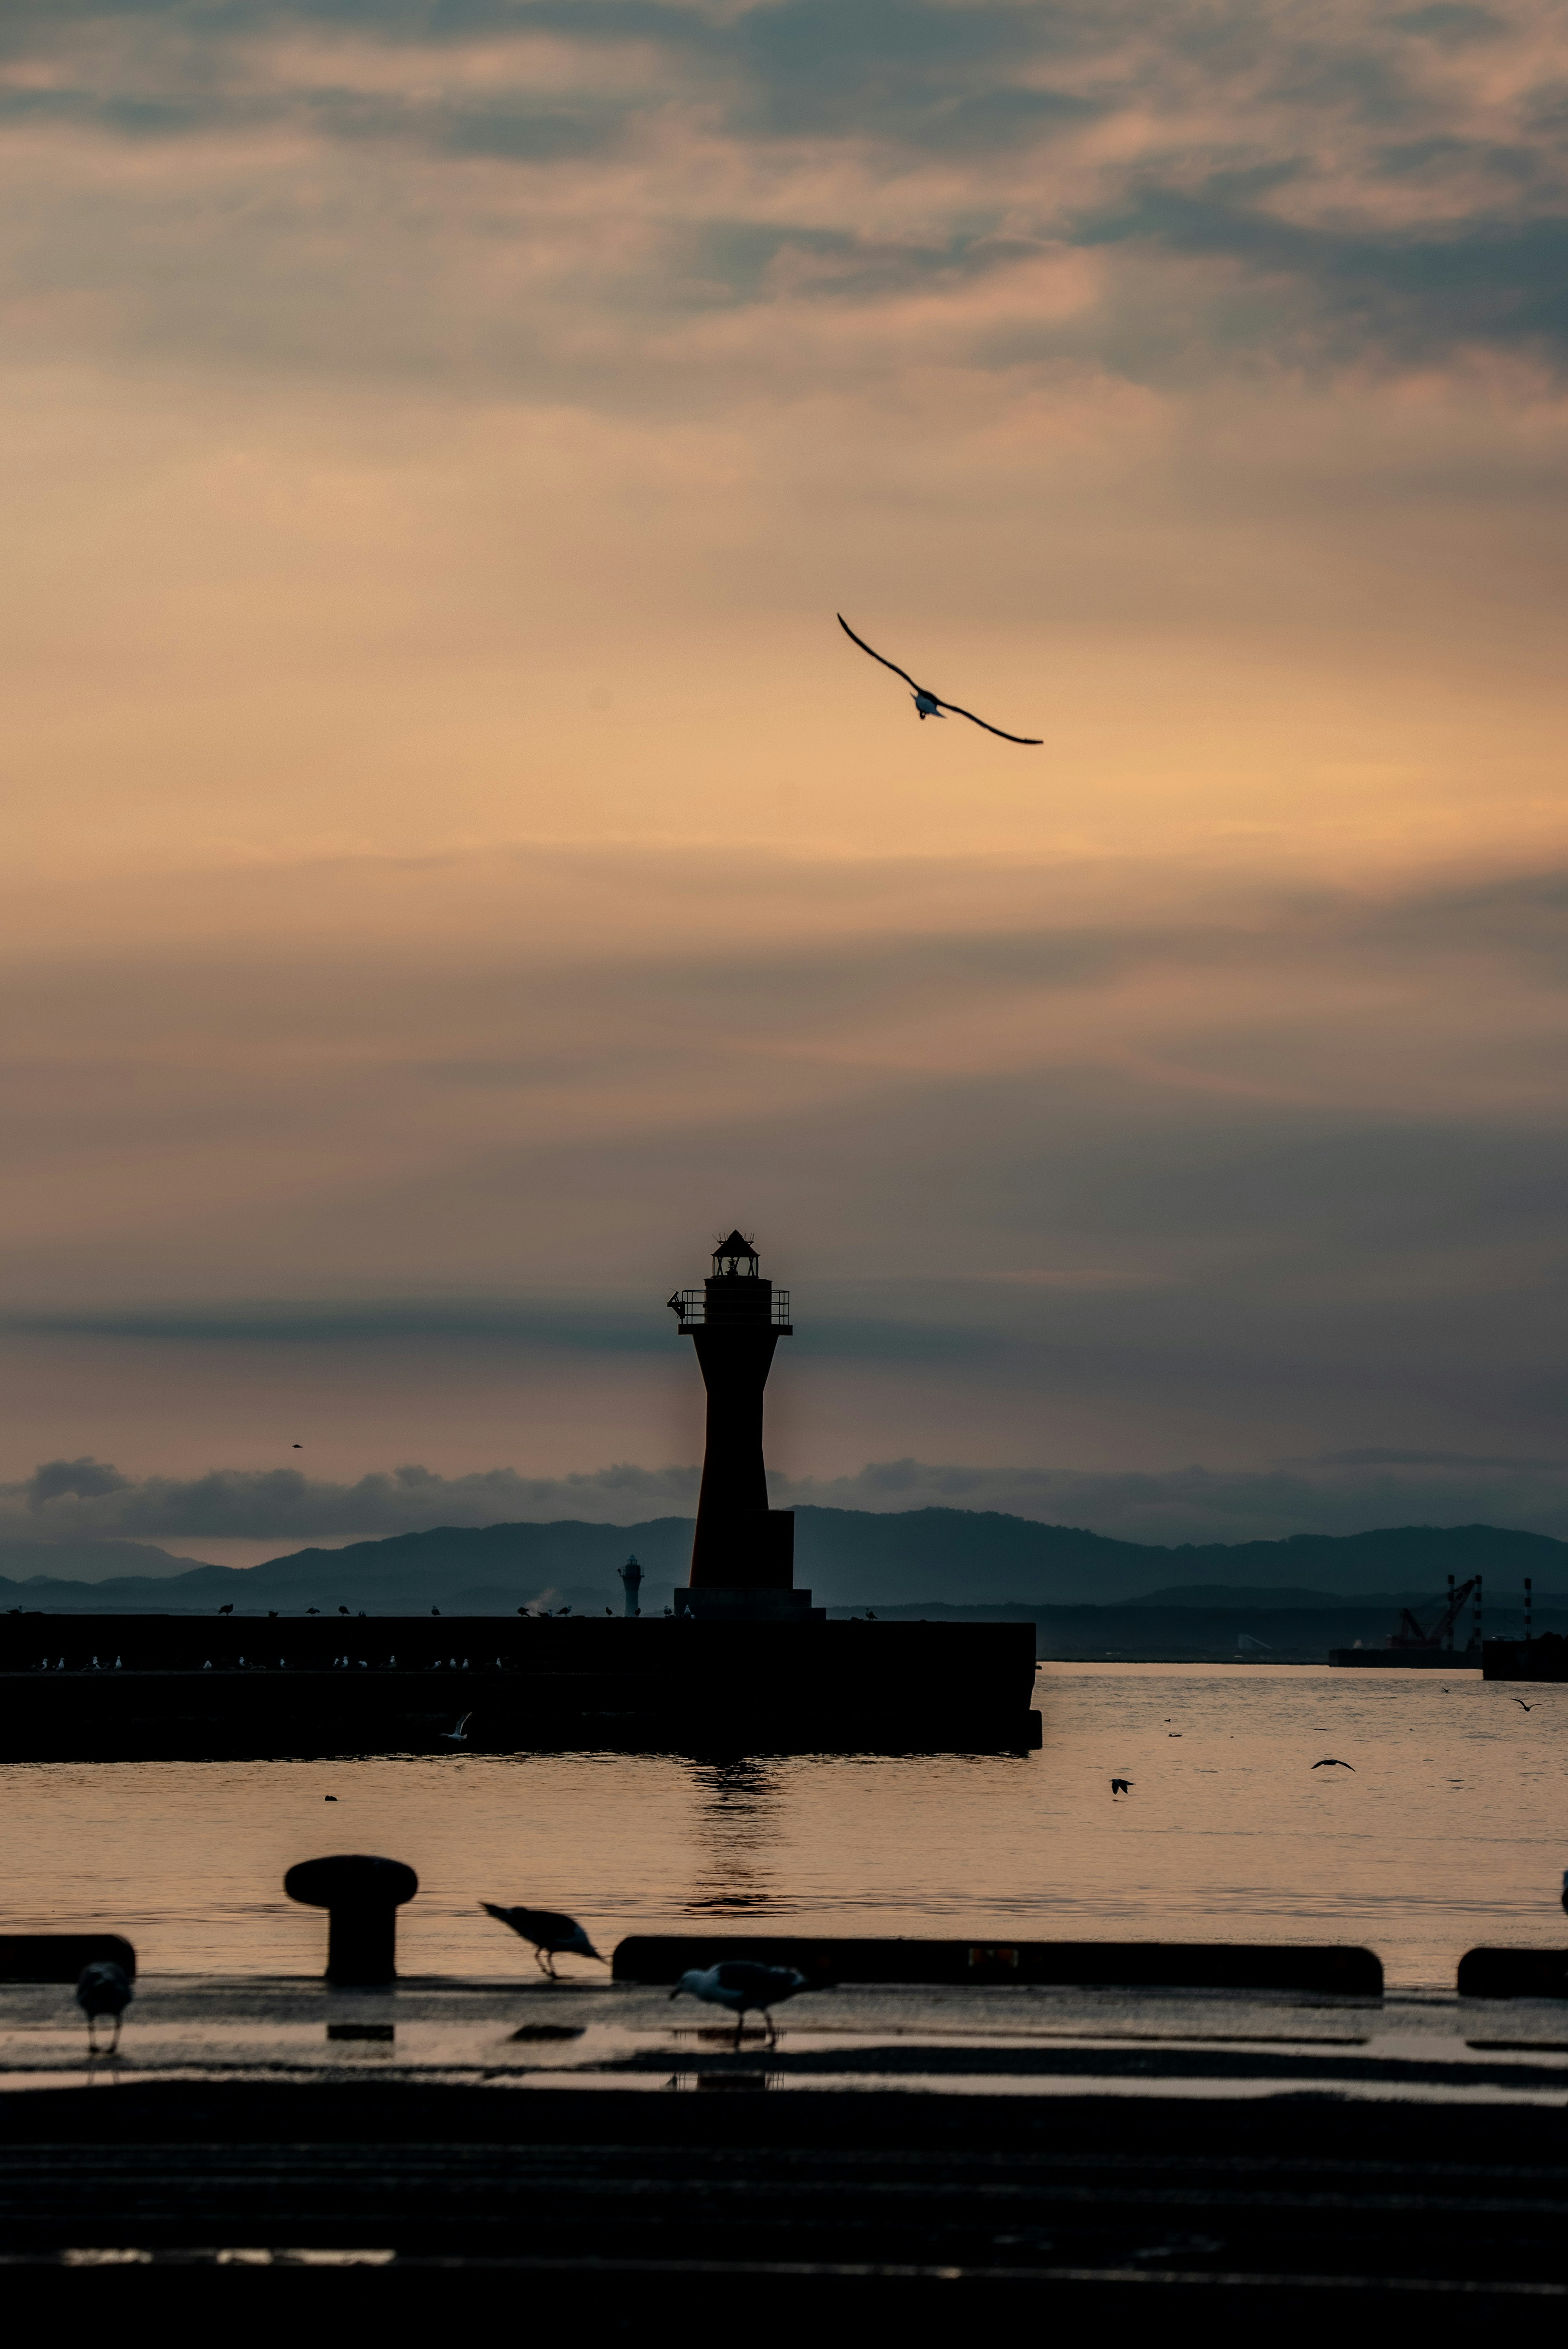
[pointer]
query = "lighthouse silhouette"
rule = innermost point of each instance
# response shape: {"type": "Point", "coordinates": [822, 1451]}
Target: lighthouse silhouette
{"type": "Point", "coordinates": [743, 1554]}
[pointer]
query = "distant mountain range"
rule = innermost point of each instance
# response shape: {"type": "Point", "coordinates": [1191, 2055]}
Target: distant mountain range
{"type": "Point", "coordinates": [848, 1557]}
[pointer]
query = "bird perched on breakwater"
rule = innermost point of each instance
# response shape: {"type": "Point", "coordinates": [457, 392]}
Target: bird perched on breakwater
{"type": "Point", "coordinates": [549, 1934]}
{"type": "Point", "coordinates": [739, 1983]}
{"type": "Point", "coordinates": [104, 1989]}
{"type": "Point", "coordinates": [1330, 1763]}
{"type": "Point", "coordinates": [931, 705]}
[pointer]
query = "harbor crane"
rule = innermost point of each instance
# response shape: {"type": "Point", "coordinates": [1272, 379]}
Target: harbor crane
{"type": "Point", "coordinates": [1411, 1634]}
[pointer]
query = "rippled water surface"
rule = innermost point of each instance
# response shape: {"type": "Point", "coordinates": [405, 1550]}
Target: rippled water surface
{"type": "Point", "coordinates": [1451, 1829]}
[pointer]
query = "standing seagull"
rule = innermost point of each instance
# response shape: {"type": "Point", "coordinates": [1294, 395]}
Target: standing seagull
{"type": "Point", "coordinates": [929, 704]}
{"type": "Point", "coordinates": [740, 1982]}
{"type": "Point", "coordinates": [549, 1933]}
{"type": "Point", "coordinates": [104, 1989]}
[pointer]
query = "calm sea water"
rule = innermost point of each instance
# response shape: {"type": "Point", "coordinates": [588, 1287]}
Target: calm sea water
{"type": "Point", "coordinates": [1452, 1829]}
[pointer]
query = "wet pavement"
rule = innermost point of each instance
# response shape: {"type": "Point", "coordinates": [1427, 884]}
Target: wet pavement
{"type": "Point", "coordinates": [1010, 2041]}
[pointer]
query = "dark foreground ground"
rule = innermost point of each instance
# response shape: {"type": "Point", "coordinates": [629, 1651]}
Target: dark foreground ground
{"type": "Point", "coordinates": [592, 2159]}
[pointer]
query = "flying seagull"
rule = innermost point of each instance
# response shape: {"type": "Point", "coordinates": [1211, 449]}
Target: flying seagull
{"type": "Point", "coordinates": [548, 1933]}
{"type": "Point", "coordinates": [1330, 1763]}
{"type": "Point", "coordinates": [104, 1989]}
{"type": "Point", "coordinates": [929, 704]}
{"type": "Point", "coordinates": [457, 1736]}
{"type": "Point", "coordinates": [740, 1982]}
{"type": "Point", "coordinates": [1122, 1785]}
{"type": "Point", "coordinates": [1523, 1707]}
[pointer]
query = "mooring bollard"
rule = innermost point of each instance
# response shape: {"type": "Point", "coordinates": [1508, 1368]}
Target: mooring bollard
{"type": "Point", "coordinates": [362, 1896]}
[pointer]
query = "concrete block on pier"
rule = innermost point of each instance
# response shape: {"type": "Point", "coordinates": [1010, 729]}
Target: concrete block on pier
{"type": "Point", "coordinates": [1144, 1965]}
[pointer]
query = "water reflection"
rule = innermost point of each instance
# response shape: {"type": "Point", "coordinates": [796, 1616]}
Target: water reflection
{"type": "Point", "coordinates": [738, 1830]}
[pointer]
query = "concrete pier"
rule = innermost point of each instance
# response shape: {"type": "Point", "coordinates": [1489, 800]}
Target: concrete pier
{"type": "Point", "coordinates": [193, 1687]}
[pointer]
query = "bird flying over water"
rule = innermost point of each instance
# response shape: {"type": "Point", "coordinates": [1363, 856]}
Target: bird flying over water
{"type": "Point", "coordinates": [1330, 1763]}
{"type": "Point", "coordinates": [1122, 1785]}
{"type": "Point", "coordinates": [457, 1736]}
{"type": "Point", "coordinates": [932, 705]}
{"type": "Point", "coordinates": [1522, 1707]}
{"type": "Point", "coordinates": [104, 1989]}
{"type": "Point", "coordinates": [740, 1982]}
{"type": "Point", "coordinates": [549, 1934]}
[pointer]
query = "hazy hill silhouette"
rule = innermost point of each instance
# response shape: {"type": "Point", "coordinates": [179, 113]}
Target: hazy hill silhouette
{"type": "Point", "coordinates": [847, 1556]}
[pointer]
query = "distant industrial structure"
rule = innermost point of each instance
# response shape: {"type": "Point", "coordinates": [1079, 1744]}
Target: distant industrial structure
{"type": "Point", "coordinates": [1432, 1645]}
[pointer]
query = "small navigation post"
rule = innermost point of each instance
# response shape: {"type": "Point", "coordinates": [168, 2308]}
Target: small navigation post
{"type": "Point", "coordinates": [1528, 1632]}
{"type": "Point", "coordinates": [631, 1574]}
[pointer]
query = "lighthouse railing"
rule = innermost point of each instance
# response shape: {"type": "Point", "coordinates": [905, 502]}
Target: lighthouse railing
{"type": "Point", "coordinates": [696, 1310]}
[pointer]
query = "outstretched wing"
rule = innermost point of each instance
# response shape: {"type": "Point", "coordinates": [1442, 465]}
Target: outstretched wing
{"type": "Point", "coordinates": [1033, 741]}
{"type": "Point", "coordinates": [877, 656]}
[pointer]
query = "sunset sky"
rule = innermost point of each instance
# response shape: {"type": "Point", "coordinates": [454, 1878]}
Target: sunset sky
{"type": "Point", "coordinates": [456, 867]}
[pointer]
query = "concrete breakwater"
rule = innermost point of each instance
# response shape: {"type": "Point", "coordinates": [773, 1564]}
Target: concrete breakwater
{"type": "Point", "coordinates": [149, 1687]}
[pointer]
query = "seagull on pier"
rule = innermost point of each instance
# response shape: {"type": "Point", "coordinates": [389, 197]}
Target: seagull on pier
{"type": "Point", "coordinates": [932, 705]}
{"type": "Point", "coordinates": [1330, 1763]}
{"type": "Point", "coordinates": [740, 1982]}
{"type": "Point", "coordinates": [456, 1737]}
{"type": "Point", "coordinates": [549, 1933]}
{"type": "Point", "coordinates": [104, 1989]}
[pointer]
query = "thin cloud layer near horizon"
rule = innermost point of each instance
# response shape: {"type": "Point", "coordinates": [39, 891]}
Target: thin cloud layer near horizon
{"type": "Point", "coordinates": [455, 866]}
{"type": "Point", "coordinates": [234, 1517]}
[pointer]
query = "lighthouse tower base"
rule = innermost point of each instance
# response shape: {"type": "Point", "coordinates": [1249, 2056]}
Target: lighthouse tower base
{"type": "Point", "coordinates": [711, 1603]}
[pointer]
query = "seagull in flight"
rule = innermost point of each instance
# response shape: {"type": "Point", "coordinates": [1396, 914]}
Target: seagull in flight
{"type": "Point", "coordinates": [1330, 1763]}
{"type": "Point", "coordinates": [459, 1736]}
{"type": "Point", "coordinates": [1120, 1785]}
{"type": "Point", "coordinates": [1522, 1707]}
{"type": "Point", "coordinates": [929, 704]}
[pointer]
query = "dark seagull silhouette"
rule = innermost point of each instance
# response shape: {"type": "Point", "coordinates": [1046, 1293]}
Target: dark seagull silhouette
{"type": "Point", "coordinates": [1330, 1763]}
{"type": "Point", "coordinates": [104, 1989]}
{"type": "Point", "coordinates": [740, 1982]}
{"type": "Point", "coordinates": [932, 705]}
{"type": "Point", "coordinates": [548, 1931]}
{"type": "Point", "coordinates": [1522, 1707]}
{"type": "Point", "coordinates": [1122, 1785]}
